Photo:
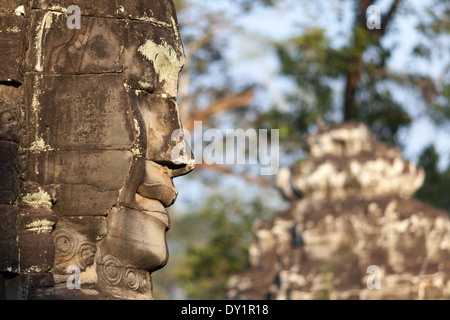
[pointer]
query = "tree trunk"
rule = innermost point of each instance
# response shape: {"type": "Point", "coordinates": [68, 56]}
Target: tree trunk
{"type": "Point", "coordinates": [354, 71]}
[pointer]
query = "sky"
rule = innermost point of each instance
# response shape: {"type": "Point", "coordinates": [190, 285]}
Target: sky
{"type": "Point", "coordinates": [251, 60]}
{"type": "Point", "coordinates": [287, 20]}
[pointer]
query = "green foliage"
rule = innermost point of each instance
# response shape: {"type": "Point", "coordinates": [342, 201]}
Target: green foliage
{"type": "Point", "coordinates": [316, 66]}
{"type": "Point", "coordinates": [308, 60]}
{"type": "Point", "coordinates": [216, 238]}
{"type": "Point", "coordinates": [383, 115]}
{"type": "Point", "coordinates": [435, 189]}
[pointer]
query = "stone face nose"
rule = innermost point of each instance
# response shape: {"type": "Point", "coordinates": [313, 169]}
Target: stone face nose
{"type": "Point", "coordinates": [161, 132]}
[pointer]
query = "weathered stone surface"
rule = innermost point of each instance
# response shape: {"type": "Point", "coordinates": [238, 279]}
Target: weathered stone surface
{"type": "Point", "coordinates": [36, 245]}
{"type": "Point", "coordinates": [9, 249]}
{"type": "Point", "coordinates": [11, 101]}
{"type": "Point", "coordinates": [37, 196]}
{"type": "Point", "coordinates": [56, 49]}
{"type": "Point", "coordinates": [92, 117]}
{"type": "Point", "coordinates": [84, 200]}
{"type": "Point", "coordinates": [41, 280]}
{"type": "Point", "coordinates": [143, 230]}
{"type": "Point", "coordinates": [322, 247]}
{"type": "Point", "coordinates": [36, 252]}
{"type": "Point", "coordinates": [160, 120]}
{"type": "Point", "coordinates": [36, 221]}
{"type": "Point", "coordinates": [70, 113]}
{"type": "Point", "coordinates": [11, 6]}
{"type": "Point", "coordinates": [158, 12]}
{"type": "Point", "coordinates": [12, 47]}
{"type": "Point", "coordinates": [72, 249]}
{"type": "Point", "coordinates": [9, 185]}
{"type": "Point", "coordinates": [92, 228]}
{"type": "Point", "coordinates": [97, 8]}
{"type": "Point", "coordinates": [158, 185]}
{"type": "Point", "coordinates": [121, 281]}
{"type": "Point", "coordinates": [152, 58]}
{"type": "Point", "coordinates": [103, 170]}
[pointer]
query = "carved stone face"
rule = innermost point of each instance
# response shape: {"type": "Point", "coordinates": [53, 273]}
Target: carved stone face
{"type": "Point", "coordinates": [98, 117]}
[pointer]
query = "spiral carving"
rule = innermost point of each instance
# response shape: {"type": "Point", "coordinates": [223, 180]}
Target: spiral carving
{"type": "Point", "coordinates": [132, 278]}
{"type": "Point", "coordinates": [66, 244]}
{"type": "Point", "coordinates": [126, 277]}
{"type": "Point", "coordinates": [112, 270]}
{"type": "Point", "coordinates": [86, 255]}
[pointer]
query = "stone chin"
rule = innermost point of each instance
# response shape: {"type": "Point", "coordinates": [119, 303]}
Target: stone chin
{"type": "Point", "coordinates": [137, 237]}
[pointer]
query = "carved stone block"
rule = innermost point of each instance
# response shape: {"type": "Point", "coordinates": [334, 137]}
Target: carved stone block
{"type": "Point", "coordinates": [93, 229]}
{"type": "Point", "coordinates": [150, 11]}
{"type": "Point", "coordinates": [41, 280]}
{"type": "Point", "coordinates": [57, 49]}
{"type": "Point", "coordinates": [37, 252]}
{"type": "Point", "coordinates": [16, 6]}
{"type": "Point", "coordinates": [144, 231]}
{"type": "Point", "coordinates": [106, 8]}
{"type": "Point", "coordinates": [10, 106]}
{"type": "Point", "coordinates": [12, 47]}
{"type": "Point", "coordinates": [8, 172]}
{"type": "Point", "coordinates": [123, 281]}
{"type": "Point", "coordinates": [69, 112]}
{"type": "Point", "coordinates": [9, 250]}
{"type": "Point", "coordinates": [161, 120]}
{"type": "Point", "coordinates": [85, 126]}
{"type": "Point", "coordinates": [101, 169]}
{"type": "Point", "coordinates": [72, 249]}
{"type": "Point", "coordinates": [152, 58]}
{"type": "Point", "coordinates": [162, 12]}
{"type": "Point", "coordinates": [84, 200]}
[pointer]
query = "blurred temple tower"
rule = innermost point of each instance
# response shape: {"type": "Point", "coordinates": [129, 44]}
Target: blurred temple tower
{"type": "Point", "coordinates": [353, 230]}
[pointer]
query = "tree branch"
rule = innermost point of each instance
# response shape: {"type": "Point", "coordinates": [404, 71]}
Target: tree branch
{"type": "Point", "coordinates": [234, 101]}
{"type": "Point", "coordinates": [263, 182]}
{"type": "Point", "coordinates": [387, 18]}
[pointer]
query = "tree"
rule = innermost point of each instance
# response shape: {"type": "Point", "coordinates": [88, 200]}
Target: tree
{"type": "Point", "coordinates": [211, 244]}
{"type": "Point", "coordinates": [333, 81]}
{"type": "Point", "coordinates": [362, 68]}
{"type": "Point", "coordinates": [437, 184]}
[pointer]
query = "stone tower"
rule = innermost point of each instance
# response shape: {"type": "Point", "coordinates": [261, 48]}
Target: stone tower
{"type": "Point", "coordinates": [353, 230]}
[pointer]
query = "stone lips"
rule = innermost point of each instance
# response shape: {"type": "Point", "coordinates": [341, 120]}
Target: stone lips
{"type": "Point", "coordinates": [138, 236]}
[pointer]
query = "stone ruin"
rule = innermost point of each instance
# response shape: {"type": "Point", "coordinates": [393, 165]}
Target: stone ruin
{"type": "Point", "coordinates": [86, 156]}
{"type": "Point", "coordinates": [353, 229]}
